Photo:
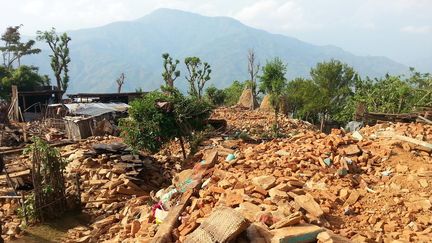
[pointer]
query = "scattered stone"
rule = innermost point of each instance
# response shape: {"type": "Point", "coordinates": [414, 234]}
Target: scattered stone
{"type": "Point", "coordinates": [329, 237]}
{"type": "Point", "coordinates": [353, 197]}
{"type": "Point", "coordinates": [291, 220]}
{"type": "Point", "coordinates": [352, 150]}
{"type": "Point", "coordinates": [266, 182]}
{"type": "Point", "coordinates": [308, 203]}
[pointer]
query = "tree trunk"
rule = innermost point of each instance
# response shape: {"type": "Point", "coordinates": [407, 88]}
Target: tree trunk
{"type": "Point", "coordinates": [322, 122]}
{"type": "Point", "coordinates": [171, 83]}
{"type": "Point", "coordinates": [59, 88]}
{"type": "Point", "coordinates": [182, 147]}
{"type": "Point", "coordinates": [276, 121]}
{"type": "Point", "coordinates": [253, 98]}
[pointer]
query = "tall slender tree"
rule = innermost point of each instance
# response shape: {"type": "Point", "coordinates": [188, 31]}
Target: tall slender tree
{"type": "Point", "coordinates": [273, 82]}
{"type": "Point", "coordinates": [14, 49]}
{"type": "Point", "coordinates": [170, 73]}
{"type": "Point", "coordinates": [198, 75]}
{"type": "Point", "coordinates": [253, 69]}
{"type": "Point", "coordinates": [60, 59]}
{"type": "Point", "coordinates": [335, 81]}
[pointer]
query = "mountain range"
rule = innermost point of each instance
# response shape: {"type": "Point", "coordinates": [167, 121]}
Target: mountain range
{"type": "Point", "coordinates": [99, 55]}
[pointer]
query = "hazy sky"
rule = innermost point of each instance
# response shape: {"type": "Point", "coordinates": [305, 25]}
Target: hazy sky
{"type": "Point", "coordinates": [399, 29]}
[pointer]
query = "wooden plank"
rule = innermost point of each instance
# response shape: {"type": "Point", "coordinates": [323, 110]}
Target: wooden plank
{"type": "Point", "coordinates": [393, 135]}
{"type": "Point", "coordinates": [425, 120]}
{"type": "Point", "coordinates": [16, 174]}
{"type": "Point", "coordinates": [163, 234]}
{"type": "Point", "coordinates": [19, 150]}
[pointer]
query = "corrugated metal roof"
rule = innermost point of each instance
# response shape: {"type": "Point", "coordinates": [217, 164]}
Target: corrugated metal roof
{"type": "Point", "coordinates": [96, 109]}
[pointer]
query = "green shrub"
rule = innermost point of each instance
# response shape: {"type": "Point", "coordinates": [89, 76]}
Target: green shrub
{"type": "Point", "coordinates": [159, 117]}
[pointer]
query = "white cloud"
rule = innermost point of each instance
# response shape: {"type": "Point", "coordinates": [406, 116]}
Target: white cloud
{"type": "Point", "coordinates": [417, 29]}
{"type": "Point", "coordinates": [34, 7]}
{"type": "Point", "coordinates": [275, 15]}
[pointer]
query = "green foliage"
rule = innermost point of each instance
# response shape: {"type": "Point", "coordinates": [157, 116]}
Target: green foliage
{"type": "Point", "coordinates": [336, 91]}
{"type": "Point", "coordinates": [60, 59]}
{"type": "Point", "coordinates": [30, 211]}
{"type": "Point", "coordinates": [233, 93]}
{"type": "Point", "coordinates": [273, 82]}
{"type": "Point", "coordinates": [303, 98]}
{"type": "Point", "coordinates": [422, 85]}
{"type": "Point", "coordinates": [198, 75]}
{"type": "Point", "coordinates": [215, 96]}
{"type": "Point", "coordinates": [48, 179]}
{"type": "Point", "coordinates": [26, 78]}
{"type": "Point", "coordinates": [170, 73]}
{"type": "Point", "coordinates": [198, 138]}
{"type": "Point", "coordinates": [47, 156]}
{"type": "Point", "coordinates": [14, 49]}
{"type": "Point", "coordinates": [148, 126]}
{"type": "Point", "coordinates": [335, 81]}
{"type": "Point", "coordinates": [393, 94]}
{"type": "Point", "coordinates": [158, 117]}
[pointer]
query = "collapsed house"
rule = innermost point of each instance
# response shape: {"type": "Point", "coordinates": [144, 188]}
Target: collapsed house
{"type": "Point", "coordinates": [82, 120]}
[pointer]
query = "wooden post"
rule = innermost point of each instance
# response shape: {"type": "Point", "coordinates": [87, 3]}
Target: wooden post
{"type": "Point", "coordinates": [15, 103]}
{"type": "Point", "coordinates": [77, 182]}
{"type": "Point", "coordinates": [182, 147]}
{"type": "Point", "coordinates": [24, 133]}
{"type": "Point", "coordinates": [24, 207]}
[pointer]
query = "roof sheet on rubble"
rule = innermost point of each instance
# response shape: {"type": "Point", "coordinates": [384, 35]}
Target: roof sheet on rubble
{"type": "Point", "coordinates": [95, 109]}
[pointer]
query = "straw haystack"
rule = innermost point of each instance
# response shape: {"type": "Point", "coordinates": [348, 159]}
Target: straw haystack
{"type": "Point", "coordinates": [246, 99]}
{"type": "Point", "coordinates": [266, 105]}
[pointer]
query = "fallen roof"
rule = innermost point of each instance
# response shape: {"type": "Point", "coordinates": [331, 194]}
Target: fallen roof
{"type": "Point", "coordinates": [96, 95]}
{"type": "Point", "coordinates": [95, 109]}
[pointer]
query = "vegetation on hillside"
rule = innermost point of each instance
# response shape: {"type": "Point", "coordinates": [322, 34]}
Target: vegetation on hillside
{"type": "Point", "coordinates": [159, 117]}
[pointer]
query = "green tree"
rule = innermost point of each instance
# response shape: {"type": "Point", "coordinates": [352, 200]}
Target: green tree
{"type": "Point", "coordinates": [198, 75]}
{"type": "Point", "coordinates": [60, 59]}
{"type": "Point", "coordinates": [26, 78]}
{"type": "Point", "coordinates": [390, 94]}
{"type": "Point", "coordinates": [303, 98]}
{"type": "Point", "coordinates": [170, 73]}
{"type": "Point", "coordinates": [157, 118]}
{"type": "Point", "coordinates": [14, 49]}
{"type": "Point", "coordinates": [273, 83]}
{"type": "Point", "coordinates": [233, 93]}
{"type": "Point", "coordinates": [422, 84]}
{"type": "Point", "coordinates": [215, 96]}
{"type": "Point", "coordinates": [335, 81]}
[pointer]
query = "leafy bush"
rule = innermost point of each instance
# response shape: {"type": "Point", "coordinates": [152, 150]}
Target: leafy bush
{"type": "Point", "coordinates": [215, 96]}
{"type": "Point", "coordinates": [26, 78]}
{"type": "Point", "coordinates": [49, 194]}
{"type": "Point", "coordinates": [159, 117]}
{"type": "Point", "coordinates": [233, 93]}
{"type": "Point", "coordinates": [303, 98]}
